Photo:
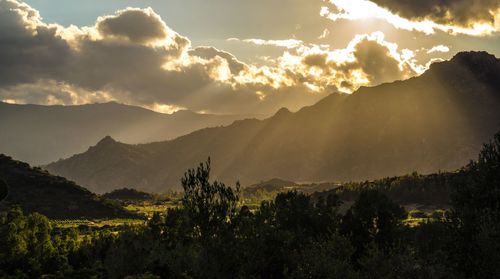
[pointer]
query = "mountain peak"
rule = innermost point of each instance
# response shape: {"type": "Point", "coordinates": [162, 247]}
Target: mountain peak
{"type": "Point", "coordinates": [477, 61]}
{"type": "Point", "coordinates": [479, 65]}
{"type": "Point", "coordinates": [107, 140]}
{"type": "Point", "coordinates": [113, 103]}
{"type": "Point", "coordinates": [282, 112]}
{"type": "Point", "coordinates": [469, 57]}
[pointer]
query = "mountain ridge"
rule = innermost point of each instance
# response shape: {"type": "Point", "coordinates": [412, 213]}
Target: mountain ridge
{"type": "Point", "coordinates": [41, 134]}
{"type": "Point", "coordinates": [437, 121]}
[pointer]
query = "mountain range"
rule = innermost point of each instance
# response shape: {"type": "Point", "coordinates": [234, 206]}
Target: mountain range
{"type": "Point", "coordinates": [436, 121]}
{"type": "Point", "coordinates": [40, 134]}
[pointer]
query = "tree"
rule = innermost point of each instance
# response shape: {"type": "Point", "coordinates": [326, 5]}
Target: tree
{"type": "Point", "coordinates": [296, 212]}
{"type": "Point", "coordinates": [26, 245]}
{"type": "Point", "coordinates": [476, 215]}
{"type": "Point", "coordinates": [4, 189]}
{"type": "Point", "coordinates": [210, 206]}
{"type": "Point", "coordinates": [480, 187]}
{"type": "Point", "coordinates": [373, 217]}
{"type": "Point", "coordinates": [325, 259]}
{"type": "Point", "coordinates": [207, 217]}
{"type": "Point", "coordinates": [13, 243]}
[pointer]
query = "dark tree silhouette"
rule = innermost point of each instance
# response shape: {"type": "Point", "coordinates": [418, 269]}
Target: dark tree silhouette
{"type": "Point", "coordinates": [4, 189]}
{"type": "Point", "coordinates": [476, 208]}
{"type": "Point", "coordinates": [209, 205]}
{"type": "Point", "coordinates": [373, 218]}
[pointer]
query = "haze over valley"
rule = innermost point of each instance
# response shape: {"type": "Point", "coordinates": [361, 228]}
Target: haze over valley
{"type": "Point", "coordinates": [42, 134]}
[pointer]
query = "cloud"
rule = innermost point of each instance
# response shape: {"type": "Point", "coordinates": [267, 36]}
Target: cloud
{"type": "Point", "coordinates": [208, 53]}
{"type": "Point", "coordinates": [289, 43]}
{"type": "Point", "coordinates": [367, 60]}
{"type": "Point", "coordinates": [29, 49]}
{"type": "Point", "coordinates": [136, 25]}
{"type": "Point", "coordinates": [379, 64]}
{"type": "Point", "coordinates": [51, 92]}
{"type": "Point", "coordinates": [424, 16]}
{"type": "Point", "coordinates": [325, 34]}
{"type": "Point", "coordinates": [133, 57]}
{"type": "Point", "coordinates": [463, 13]}
{"type": "Point", "coordinates": [438, 48]}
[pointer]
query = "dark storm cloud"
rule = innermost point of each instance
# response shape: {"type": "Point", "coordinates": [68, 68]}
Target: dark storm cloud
{"type": "Point", "coordinates": [449, 12]}
{"type": "Point", "coordinates": [316, 60]}
{"type": "Point", "coordinates": [377, 62]}
{"type": "Point", "coordinates": [28, 49]}
{"type": "Point", "coordinates": [137, 25]}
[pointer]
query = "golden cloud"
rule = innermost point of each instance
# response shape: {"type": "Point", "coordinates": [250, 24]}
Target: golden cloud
{"type": "Point", "coordinates": [134, 57]}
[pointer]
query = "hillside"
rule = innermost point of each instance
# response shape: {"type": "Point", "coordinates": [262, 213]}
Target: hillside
{"type": "Point", "coordinates": [437, 121]}
{"type": "Point", "coordinates": [42, 134]}
{"type": "Point", "coordinates": [126, 194]}
{"type": "Point", "coordinates": [274, 185]}
{"type": "Point", "coordinates": [430, 190]}
{"type": "Point", "coordinates": [35, 190]}
{"type": "Point", "coordinates": [267, 190]}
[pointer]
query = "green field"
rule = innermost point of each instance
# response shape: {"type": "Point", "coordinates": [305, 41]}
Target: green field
{"type": "Point", "coordinates": [148, 209]}
{"type": "Point", "coordinates": [102, 223]}
{"type": "Point", "coordinates": [142, 209]}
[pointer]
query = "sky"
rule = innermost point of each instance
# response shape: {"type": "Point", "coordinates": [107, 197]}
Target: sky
{"type": "Point", "coordinates": [226, 56]}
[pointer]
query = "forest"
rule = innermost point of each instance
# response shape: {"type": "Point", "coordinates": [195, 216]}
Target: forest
{"type": "Point", "coordinates": [211, 235]}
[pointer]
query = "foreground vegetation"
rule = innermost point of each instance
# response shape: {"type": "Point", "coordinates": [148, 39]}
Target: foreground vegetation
{"type": "Point", "coordinates": [210, 235]}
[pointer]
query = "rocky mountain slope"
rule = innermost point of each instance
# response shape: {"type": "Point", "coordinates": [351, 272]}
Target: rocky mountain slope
{"type": "Point", "coordinates": [437, 121]}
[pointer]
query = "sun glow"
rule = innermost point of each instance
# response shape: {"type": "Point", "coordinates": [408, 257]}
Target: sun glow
{"type": "Point", "coordinates": [9, 101]}
{"type": "Point", "coordinates": [289, 43]}
{"type": "Point", "coordinates": [164, 108]}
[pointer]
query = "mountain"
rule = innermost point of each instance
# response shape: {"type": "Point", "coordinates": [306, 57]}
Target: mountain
{"type": "Point", "coordinates": [41, 134]}
{"type": "Point", "coordinates": [437, 121]}
{"type": "Point", "coordinates": [35, 190]}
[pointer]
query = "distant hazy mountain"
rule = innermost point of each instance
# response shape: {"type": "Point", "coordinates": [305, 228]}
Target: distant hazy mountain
{"type": "Point", "coordinates": [42, 134]}
{"type": "Point", "coordinates": [35, 190]}
{"type": "Point", "coordinates": [437, 121]}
